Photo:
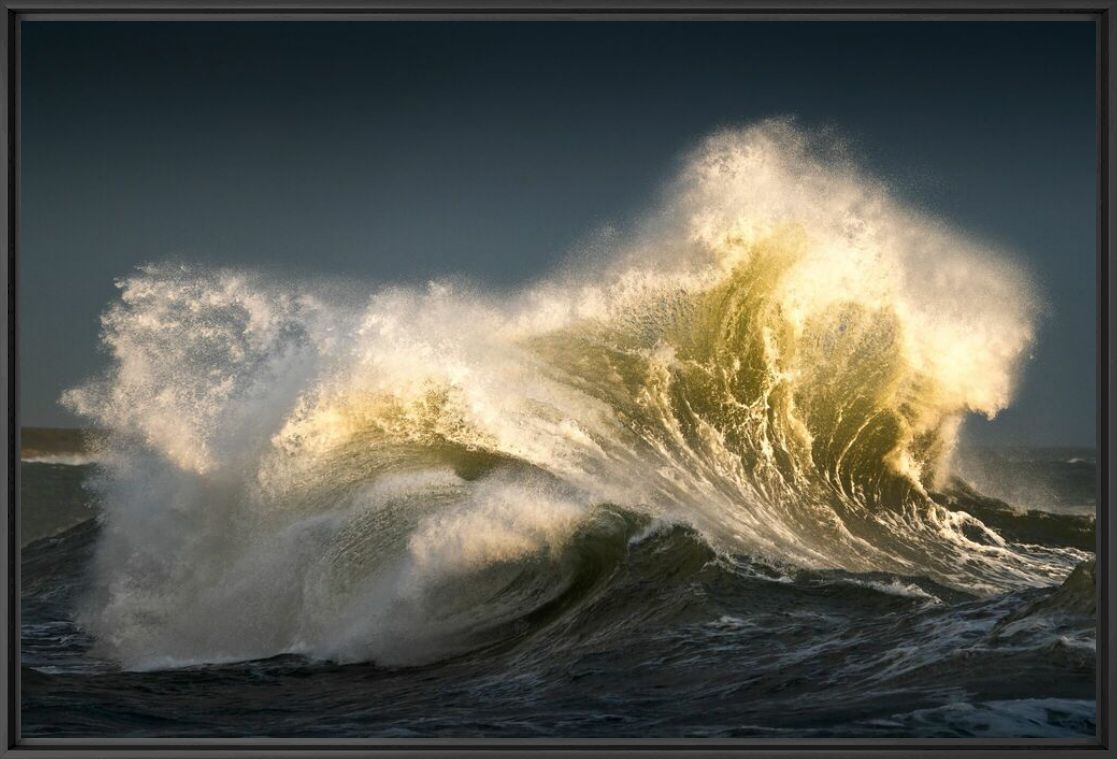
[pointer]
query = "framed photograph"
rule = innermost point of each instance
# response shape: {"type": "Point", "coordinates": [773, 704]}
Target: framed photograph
{"type": "Point", "coordinates": [399, 378]}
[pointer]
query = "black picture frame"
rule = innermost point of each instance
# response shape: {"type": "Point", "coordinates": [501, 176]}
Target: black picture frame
{"type": "Point", "coordinates": [1101, 12]}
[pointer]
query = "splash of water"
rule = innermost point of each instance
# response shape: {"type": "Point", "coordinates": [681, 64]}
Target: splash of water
{"type": "Point", "coordinates": [779, 357]}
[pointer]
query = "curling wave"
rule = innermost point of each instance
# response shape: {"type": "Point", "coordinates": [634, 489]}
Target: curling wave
{"type": "Point", "coordinates": [777, 360]}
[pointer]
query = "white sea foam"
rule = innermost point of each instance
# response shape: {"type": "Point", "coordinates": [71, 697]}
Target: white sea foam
{"type": "Point", "coordinates": [779, 357]}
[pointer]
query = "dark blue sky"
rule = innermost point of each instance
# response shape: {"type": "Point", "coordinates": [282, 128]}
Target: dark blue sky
{"type": "Point", "coordinates": [405, 150]}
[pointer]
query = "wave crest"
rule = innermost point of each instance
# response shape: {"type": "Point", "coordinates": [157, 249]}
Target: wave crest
{"type": "Point", "coordinates": [779, 357]}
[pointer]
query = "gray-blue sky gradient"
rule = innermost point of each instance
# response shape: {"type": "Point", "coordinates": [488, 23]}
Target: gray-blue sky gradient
{"type": "Point", "coordinates": [409, 150]}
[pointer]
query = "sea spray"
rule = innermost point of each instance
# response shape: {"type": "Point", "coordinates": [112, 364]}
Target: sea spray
{"type": "Point", "coordinates": [778, 358]}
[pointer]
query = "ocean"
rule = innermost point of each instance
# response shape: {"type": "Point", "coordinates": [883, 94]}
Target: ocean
{"type": "Point", "coordinates": [649, 633]}
{"type": "Point", "coordinates": [711, 480]}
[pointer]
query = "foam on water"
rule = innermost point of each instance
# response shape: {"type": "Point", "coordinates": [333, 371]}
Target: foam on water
{"type": "Point", "coordinates": [779, 356]}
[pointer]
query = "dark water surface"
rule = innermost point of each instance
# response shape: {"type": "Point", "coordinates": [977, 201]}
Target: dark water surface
{"type": "Point", "coordinates": [655, 635]}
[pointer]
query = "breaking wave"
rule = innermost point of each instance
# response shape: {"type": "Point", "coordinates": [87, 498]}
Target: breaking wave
{"type": "Point", "coordinates": [776, 361]}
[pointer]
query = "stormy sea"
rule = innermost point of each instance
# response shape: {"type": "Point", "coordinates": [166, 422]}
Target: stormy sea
{"type": "Point", "coordinates": [711, 479]}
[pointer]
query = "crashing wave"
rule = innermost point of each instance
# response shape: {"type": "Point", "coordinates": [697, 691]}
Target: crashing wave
{"type": "Point", "coordinates": [778, 358]}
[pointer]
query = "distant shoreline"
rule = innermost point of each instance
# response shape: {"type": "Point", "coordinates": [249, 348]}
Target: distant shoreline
{"type": "Point", "coordinates": [52, 442]}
